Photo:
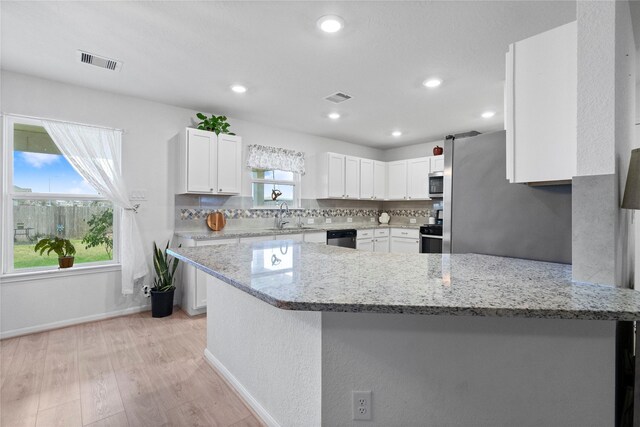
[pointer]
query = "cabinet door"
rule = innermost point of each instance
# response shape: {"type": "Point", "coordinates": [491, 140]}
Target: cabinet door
{"type": "Point", "coordinates": [379, 180]}
{"type": "Point", "coordinates": [437, 163]}
{"type": "Point", "coordinates": [397, 180]}
{"type": "Point", "coordinates": [201, 160]}
{"type": "Point", "coordinates": [366, 179]}
{"type": "Point", "coordinates": [351, 177]}
{"type": "Point", "coordinates": [404, 245]}
{"type": "Point", "coordinates": [381, 244]}
{"type": "Point", "coordinates": [336, 175]}
{"type": "Point", "coordinates": [316, 237]}
{"type": "Point", "coordinates": [229, 164]}
{"type": "Point", "coordinates": [364, 245]}
{"type": "Point", "coordinates": [418, 178]}
{"type": "Point", "coordinates": [541, 102]}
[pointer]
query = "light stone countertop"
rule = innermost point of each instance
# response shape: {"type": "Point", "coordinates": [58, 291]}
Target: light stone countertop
{"type": "Point", "coordinates": [254, 232]}
{"type": "Point", "coordinates": [315, 277]}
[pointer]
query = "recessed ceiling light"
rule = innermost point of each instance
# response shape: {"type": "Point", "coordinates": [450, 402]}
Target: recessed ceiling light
{"type": "Point", "coordinates": [431, 83]}
{"type": "Point", "coordinates": [488, 114]}
{"type": "Point", "coordinates": [238, 89]}
{"type": "Point", "coordinates": [333, 116]}
{"type": "Point", "coordinates": [330, 23]}
{"type": "Point", "coordinates": [396, 133]}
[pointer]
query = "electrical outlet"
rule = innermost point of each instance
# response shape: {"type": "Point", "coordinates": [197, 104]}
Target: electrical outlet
{"type": "Point", "coordinates": [327, 220]}
{"type": "Point", "coordinates": [349, 219]}
{"type": "Point", "coordinates": [310, 220]}
{"type": "Point", "coordinates": [372, 220]}
{"type": "Point", "coordinates": [361, 405]}
{"type": "Point", "coordinates": [412, 220]}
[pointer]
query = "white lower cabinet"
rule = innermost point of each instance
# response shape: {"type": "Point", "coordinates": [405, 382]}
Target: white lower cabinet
{"type": "Point", "coordinates": [381, 244]}
{"type": "Point", "coordinates": [316, 237]}
{"type": "Point", "coordinates": [373, 240]}
{"type": "Point", "coordinates": [194, 281]}
{"type": "Point", "coordinates": [256, 239]}
{"type": "Point", "coordinates": [405, 240]}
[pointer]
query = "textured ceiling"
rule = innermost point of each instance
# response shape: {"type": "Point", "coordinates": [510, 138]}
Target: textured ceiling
{"type": "Point", "coordinates": [188, 53]}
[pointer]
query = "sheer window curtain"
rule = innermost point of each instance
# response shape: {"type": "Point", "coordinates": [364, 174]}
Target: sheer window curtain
{"type": "Point", "coordinates": [95, 154]}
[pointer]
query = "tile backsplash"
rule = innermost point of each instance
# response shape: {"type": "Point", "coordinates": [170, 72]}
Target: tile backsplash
{"type": "Point", "coordinates": [191, 211]}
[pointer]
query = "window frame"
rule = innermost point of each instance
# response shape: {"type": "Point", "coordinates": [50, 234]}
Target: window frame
{"type": "Point", "coordinates": [295, 183]}
{"type": "Point", "coordinates": [8, 197]}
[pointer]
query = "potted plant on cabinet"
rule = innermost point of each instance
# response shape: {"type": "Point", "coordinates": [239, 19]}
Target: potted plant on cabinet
{"type": "Point", "coordinates": [217, 124]}
{"type": "Point", "coordinates": [163, 287]}
{"type": "Point", "coordinates": [62, 247]}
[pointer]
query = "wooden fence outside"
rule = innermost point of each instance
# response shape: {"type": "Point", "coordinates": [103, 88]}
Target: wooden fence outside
{"type": "Point", "coordinates": [69, 222]}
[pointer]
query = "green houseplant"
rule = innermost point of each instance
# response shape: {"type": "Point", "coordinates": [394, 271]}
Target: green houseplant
{"type": "Point", "coordinates": [62, 247]}
{"type": "Point", "coordinates": [163, 284]}
{"type": "Point", "coordinates": [217, 124]}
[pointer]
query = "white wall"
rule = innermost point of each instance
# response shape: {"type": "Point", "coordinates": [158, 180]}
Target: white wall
{"type": "Point", "coordinates": [150, 130]}
{"type": "Point", "coordinates": [412, 151]}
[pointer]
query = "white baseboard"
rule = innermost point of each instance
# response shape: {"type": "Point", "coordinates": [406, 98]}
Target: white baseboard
{"type": "Point", "coordinates": [74, 321]}
{"type": "Point", "coordinates": [242, 391]}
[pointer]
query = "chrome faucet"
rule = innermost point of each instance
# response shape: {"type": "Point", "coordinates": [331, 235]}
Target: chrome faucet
{"type": "Point", "coordinates": [281, 211]}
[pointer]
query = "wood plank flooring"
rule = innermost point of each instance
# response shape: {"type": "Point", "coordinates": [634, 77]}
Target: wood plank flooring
{"type": "Point", "coordinates": [127, 371]}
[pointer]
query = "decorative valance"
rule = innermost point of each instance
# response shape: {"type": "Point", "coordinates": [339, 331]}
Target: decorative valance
{"type": "Point", "coordinates": [263, 157]}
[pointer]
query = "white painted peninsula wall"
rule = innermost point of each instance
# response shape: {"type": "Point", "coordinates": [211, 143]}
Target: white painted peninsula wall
{"type": "Point", "coordinates": [299, 368]}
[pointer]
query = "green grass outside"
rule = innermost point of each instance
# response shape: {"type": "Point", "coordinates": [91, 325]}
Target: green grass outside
{"type": "Point", "coordinates": [25, 257]}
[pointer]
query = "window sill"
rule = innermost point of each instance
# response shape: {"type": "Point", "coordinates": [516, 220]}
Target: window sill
{"type": "Point", "coordinates": [28, 276]}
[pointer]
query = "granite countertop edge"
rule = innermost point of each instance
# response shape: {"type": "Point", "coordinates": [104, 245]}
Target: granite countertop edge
{"type": "Point", "coordinates": [590, 314]}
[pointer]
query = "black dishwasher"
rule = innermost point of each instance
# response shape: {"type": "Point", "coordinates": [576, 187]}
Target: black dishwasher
{"type": "Point", "coordinates": [342, 238]}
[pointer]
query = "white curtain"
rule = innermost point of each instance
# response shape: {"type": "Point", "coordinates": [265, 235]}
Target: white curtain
{"type": "Point", "coordinates": [95, 154]}
{"type": "Point", "coordinates": [265, 157]}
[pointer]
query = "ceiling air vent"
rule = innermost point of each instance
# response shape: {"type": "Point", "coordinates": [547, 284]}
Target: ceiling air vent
{"type": "Point", "coordinates": [338, 97]}
{"type": "Point", "coordinates": [99, 61]}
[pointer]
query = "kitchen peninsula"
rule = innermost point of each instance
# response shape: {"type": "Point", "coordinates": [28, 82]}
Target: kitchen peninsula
{"type": "Point", "coordinates": [458, 339]}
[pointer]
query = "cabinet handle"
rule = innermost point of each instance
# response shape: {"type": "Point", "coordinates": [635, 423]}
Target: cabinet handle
{"type": "Point", "coordinates": [220, 189]}
{"type": "Point", "coordinates": [211, 189]}
{"type": "Point", "coordinates": [404, 232]}
{"type": "Point", "coordinates": [409, 197]}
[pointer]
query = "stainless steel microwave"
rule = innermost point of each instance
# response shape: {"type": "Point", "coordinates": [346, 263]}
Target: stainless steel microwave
{"type": "Point", "coordinates": [436, 185]}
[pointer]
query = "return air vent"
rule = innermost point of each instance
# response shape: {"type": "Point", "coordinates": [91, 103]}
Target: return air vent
{"type": "Point", "coordinates": [99, 61]}
{"type": "Point", "coordinates": [338, 97]}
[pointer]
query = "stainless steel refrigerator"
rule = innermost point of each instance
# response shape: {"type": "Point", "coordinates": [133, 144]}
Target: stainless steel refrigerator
{"type": "Point", "coordinates": [484, 213]}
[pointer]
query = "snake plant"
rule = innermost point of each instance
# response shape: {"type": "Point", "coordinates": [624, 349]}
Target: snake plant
{"type": "Point", "coordinates": [165, 270]}
{"type": "Point", "coordinates": [217, 124]}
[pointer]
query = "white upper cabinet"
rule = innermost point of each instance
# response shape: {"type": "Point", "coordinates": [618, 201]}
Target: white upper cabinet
{"type": "Point", "coordinates": [541, 106]}
{"type": "Point", "coordinates": [418, 178]}
{"type": "Point", "coordinates": [397, 180]}
{"type": "Point", "coordinates": [229, 164]}
{"type": "Point", "coordinates": [335, 171]}
{"type": "Point", "coordinates": [351, 177]}
{"type": "Point", "coordinates": [201, 153]}
{"type": "Point", "coordinates": [379, 180]}
{"type": "Point", "coordinates": [366, 179]}
{"type": "Point", "coordinates": [437, 163]}
{"type": "Point", "coordinates": [209, 164]}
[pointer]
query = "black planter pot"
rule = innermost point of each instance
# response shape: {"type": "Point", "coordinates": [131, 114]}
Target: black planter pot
{"type": "Point", "coordinates": [162, 303]}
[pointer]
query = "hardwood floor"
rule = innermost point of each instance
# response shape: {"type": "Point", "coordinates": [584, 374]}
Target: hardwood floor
{"type": "Point", "coordinates": [127, 371]}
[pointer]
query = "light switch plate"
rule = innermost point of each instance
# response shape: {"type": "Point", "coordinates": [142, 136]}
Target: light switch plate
{"type": "Point", "coordinates": [349, 219]}
{"type": "Point", "coordinates": [412, 220]}
{"type": "Point", "coordinates": [327, 220]}
{"type": "Point", "coordinates": [138, 195]}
